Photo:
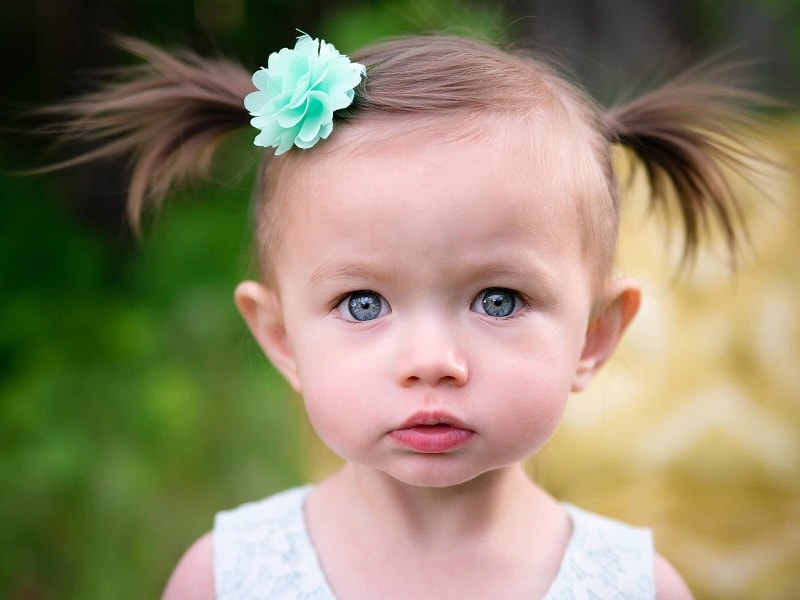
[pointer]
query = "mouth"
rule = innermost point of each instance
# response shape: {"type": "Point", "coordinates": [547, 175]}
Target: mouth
{"type": "Point", "coordinates": [432, 433]}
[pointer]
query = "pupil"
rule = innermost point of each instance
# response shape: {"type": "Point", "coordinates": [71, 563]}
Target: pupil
{"type": "Point", "coordinates": [498, 302]}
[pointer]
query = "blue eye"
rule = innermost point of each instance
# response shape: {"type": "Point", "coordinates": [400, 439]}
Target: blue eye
{"type": "Point", "coordinates": [363, 306]}
{"type": "Point", "coordinates": [497, 303]}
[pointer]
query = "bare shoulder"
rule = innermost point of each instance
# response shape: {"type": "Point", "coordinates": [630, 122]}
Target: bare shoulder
{"type": "Point", "coordinates": [669, 584]}
{"type": "Point", "coordinates": [193, 578]}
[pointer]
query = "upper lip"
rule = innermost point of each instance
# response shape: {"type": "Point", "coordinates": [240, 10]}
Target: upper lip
{"type": "Point", "coordinates": [424, 417]}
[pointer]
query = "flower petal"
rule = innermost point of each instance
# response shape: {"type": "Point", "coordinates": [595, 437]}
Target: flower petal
{"type": "Point", "coordinates": [254, 102]}
{"type": "Point", "coordinates": [291, 116]}
{"type": "Point", "coordinates": [261, 79]}
{"type": "Point", "coordinates": [340, 99]}
{"type": "Point", "coordinates": [284, 143]}
{"type": "Point", "coordinates": [325, 130]}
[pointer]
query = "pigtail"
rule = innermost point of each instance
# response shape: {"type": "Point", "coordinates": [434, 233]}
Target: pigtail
{"type": "Point", "coordinates": [166, 115]}
{"type": "Point", "coordinates": [688, 135]}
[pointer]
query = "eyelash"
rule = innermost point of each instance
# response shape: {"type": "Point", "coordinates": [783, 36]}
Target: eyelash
{"type": "Point", "coordinates": [346, 304]}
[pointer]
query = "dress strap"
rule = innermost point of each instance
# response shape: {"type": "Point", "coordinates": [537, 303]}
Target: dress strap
{"type": "Point", "coordinates": [262, 550]}
{"type": "Point", "coordinates": [604, 559]}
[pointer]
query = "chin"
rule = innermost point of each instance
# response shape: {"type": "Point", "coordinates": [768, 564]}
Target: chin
{"type": "Point", "coordinates": [434, 471]}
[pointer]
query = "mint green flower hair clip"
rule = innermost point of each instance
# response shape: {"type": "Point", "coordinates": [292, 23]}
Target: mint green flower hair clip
{"type": "Point", "coordinates": [298, 93]}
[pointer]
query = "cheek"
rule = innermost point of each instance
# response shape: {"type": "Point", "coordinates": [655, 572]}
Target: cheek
{"type": "Point", "coordinates": [527, 393]}
{"type": "Point", "coordinates": [531, 399]}
{"type": "Point", "coordinates": [342, 403]}
{"type": "Point", "coordinates": [331, 364]}
{"type": "Point", "coordinates": [327, 408]}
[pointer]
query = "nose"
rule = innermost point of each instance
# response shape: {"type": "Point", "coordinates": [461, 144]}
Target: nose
{"type": "Point", "coordinates": [431, 356]}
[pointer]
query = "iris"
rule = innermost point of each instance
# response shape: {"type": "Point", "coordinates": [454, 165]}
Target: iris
{"type": "Point", "coordinates": [498, 302]}
{"type": "Point", "coordinates": [364, 306]}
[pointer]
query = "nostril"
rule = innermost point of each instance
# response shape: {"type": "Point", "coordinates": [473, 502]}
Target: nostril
{"type": "Point", "coordinates": [432, 365]}
{"type": "Point", "coordinates": [446, 379]}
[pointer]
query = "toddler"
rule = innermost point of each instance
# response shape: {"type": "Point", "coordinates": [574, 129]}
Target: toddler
{"type": "Point", "coordinates": [436, 232]}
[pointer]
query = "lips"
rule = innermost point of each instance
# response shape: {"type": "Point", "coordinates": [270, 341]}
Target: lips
{"type": "Point", "coordinates": [432, 433]}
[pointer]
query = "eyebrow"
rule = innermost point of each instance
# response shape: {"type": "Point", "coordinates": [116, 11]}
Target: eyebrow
{"type": "Point", "coordinates": [334, 272]}
{"type": "Point", "coordinates": [503, 269]}
{"type": "Point", "coordinates": [527, 276]}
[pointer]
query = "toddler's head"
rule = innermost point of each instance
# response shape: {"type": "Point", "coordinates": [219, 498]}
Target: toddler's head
{"type": "Point", "coordinates": [433, 265]}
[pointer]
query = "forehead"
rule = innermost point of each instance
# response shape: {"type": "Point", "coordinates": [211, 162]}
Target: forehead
{"type": "Point", "coordinates": [391, 159]}
{"type": "Point", "coordinates": [529, 157]}
{"type": "Point", "coordinates": [465, 194]}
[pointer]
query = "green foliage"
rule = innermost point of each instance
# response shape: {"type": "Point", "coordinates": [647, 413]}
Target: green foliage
{"type": "Point", "coordinates": [134, 403]}
{"type": "Point", "coordinates": [786, 11]}
{"type": "Point", "coordinates": [364, 23]}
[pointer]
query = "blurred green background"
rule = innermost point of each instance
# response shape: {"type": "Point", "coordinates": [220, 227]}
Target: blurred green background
{"type": "Point", "coordinates": [133, 403]}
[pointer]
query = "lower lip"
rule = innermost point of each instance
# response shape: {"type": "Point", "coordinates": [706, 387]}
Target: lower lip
{"type": "Point", "coordinates": [432, 438]}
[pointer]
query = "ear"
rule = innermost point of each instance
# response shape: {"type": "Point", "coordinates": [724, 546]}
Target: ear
{"type": "Point", "coordinates": [605, 329]}
{"type": "Point", "coordinates": [261, 309]}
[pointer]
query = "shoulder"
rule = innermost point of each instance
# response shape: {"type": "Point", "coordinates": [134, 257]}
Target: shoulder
{"type": "Point", "coordinates": [632, 550]}
{"type": "Point", "coordinates": [669, 584]}
{"type": "Point", "coordinates": [193, 578]}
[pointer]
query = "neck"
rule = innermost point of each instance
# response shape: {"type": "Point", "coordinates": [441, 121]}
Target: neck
{"type": "Point", "coordinates": [486, 506]}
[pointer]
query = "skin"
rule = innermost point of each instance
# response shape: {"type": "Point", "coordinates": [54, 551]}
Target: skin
{"type": "Point", "coordinates": [427, 226]}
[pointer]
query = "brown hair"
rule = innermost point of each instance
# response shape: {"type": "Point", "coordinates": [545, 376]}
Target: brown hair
{"type": "Point", "coordinates": [168, 115]}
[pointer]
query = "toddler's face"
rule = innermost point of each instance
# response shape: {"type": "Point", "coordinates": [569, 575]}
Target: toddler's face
{"type": "Point", "coordinates": [435, 303]}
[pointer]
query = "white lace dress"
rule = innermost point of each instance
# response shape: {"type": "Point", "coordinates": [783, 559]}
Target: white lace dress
{"type": "Point", "coordinates": [262, 551]}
